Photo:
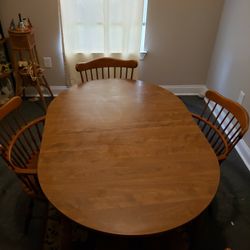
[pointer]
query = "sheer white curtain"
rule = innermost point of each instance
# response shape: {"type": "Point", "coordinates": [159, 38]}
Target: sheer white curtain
{"type": "Point", "coordinates": [94, 28]}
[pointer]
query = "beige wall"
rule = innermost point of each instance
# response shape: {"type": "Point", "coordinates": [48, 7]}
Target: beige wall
{"type": "Point", "coordinates": [180, 39]}
{"type": "Point", "coordinates": [44, 17]}
{"type": "Point", "coordinates": [230, 66]}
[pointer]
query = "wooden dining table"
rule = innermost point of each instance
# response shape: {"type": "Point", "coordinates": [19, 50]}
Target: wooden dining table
{"type": "Point", "coordinates": [125, 157]}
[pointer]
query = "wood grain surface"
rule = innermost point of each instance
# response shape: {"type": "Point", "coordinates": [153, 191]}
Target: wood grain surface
{"type": "Point", "coordinates": [125, 157]}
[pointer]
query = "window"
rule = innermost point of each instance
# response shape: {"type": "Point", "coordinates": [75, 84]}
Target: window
{"type": "Point", "coordinates": [104, 26]}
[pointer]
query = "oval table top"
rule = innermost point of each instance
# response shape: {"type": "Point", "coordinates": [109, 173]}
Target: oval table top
{"type": "Point", "coordinates": [125, 157]}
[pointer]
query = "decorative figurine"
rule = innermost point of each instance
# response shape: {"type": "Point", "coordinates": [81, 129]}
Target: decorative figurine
{"type": "Point", "coordinates": [12, 25]}
{"type": "Point", "coordinates": [25, 22]}
{"type": "Point", "coordinates": [29, 24]}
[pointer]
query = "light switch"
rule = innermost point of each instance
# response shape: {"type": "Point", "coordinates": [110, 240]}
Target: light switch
{"type": "Point", "coordinates": [47, 62]}
{"type": "Point", "coordinates": [241, 97]}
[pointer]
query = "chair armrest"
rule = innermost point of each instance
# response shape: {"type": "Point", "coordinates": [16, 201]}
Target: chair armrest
{"type": "Point", "coordinates": [1, 149]}
{"type": "Point", "coordinates": [3, 153]}
{"type": "Point", "coordinates": [25, 171]}
{"type": "Point", "coordinates": [223, 156]}
{"type": "Point", "coordinates": [22, 130]}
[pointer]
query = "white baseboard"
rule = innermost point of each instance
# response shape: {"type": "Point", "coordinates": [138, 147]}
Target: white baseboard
{"type": "Point", "coordinates": [58, 89]}
{"type": "Point", "coordinates": [244, 152]}
{"type": "Point", "coordinates": [193, 89]}
{"type": "Point", "coordinates": [176, 89]}
{"type": "Point", "coordinates": [31, 91]}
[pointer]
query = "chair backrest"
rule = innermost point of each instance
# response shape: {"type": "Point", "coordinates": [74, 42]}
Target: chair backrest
{"type": "Point", "coordinates": [106, 67]}
{"type": "Point", "coordinates": [223, 121]}
{"type": "Point", "coordinates": [20, 143]}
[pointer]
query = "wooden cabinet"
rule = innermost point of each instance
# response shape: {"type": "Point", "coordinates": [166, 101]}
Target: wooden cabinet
{"type": "Point", "coordinates": [26, 64]}
{"type": "Point", "coordinates": [6, 78]}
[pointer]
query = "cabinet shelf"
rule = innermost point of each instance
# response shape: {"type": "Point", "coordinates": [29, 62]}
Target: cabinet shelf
{"type": "Point", "coordinates": [7, 82]}
{"type": "Point", "coordinates": [2, 41]}
{"type": "Point", "coordinates": [24, 49]}
{"type": "Point", "coordinates": [5, 75]}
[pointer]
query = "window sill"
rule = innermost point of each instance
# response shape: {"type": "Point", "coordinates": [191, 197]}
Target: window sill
{"type": "Point", "coordinates": [143, 54]}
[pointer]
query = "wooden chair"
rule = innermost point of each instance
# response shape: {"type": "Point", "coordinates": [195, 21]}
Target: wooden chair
{"type": "Point", "coordinates": [20, 144]}
{"type": "Point", "coordinates": [106, 67]}
{"type": "Point", "coordinates": [223, 122]}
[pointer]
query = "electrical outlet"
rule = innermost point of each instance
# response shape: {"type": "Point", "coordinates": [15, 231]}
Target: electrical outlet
{"type": "Point", "coordinates": [47, 62]}
{"type": "Point", "coordinates": [241, 97]}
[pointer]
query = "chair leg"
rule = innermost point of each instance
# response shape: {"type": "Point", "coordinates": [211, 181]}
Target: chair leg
{"type": "Point", "coordinates": [39, 90]}
{"type": "Point", "coordinates": [47, 86]}
{"type": "Point", "coordinates": [28, 216]}
{"type": "Point", "coordinates": [67, 234]}
{"type": "Point", "coordinates": [134, 244]}
{"type": "Point", "coordinates": [24, 93]}
{"type": "Point", "coordinates": [90, 243]}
